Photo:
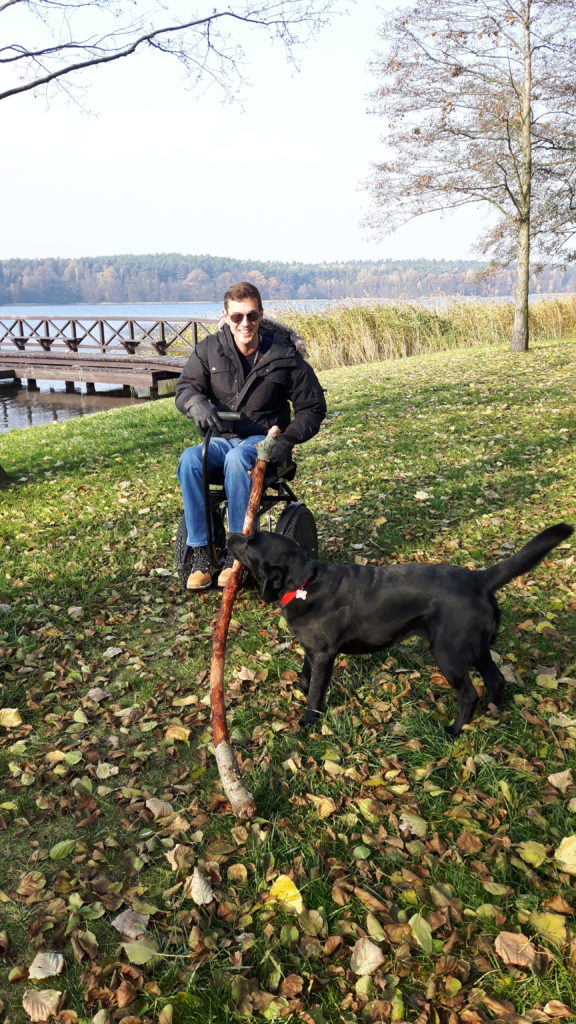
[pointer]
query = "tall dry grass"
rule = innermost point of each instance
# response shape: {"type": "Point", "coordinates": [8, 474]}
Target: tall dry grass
{"type": "Point", "coordinates": [345, 335]}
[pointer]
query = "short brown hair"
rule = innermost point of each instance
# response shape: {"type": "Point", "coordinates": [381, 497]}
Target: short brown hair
{"type": "Point", "coordinates": [242, 290]}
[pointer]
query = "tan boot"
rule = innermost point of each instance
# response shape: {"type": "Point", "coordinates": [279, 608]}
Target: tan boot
{"type": "Point", "coordinates": [226, 571]}
{"type": "Point", "coordinates": [198, 580]}
{"type": "Point", "coordinates": [200, 570]}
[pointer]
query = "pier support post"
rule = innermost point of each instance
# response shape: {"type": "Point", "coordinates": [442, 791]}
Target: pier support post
{"type": "Point", "coordinates": [90, 387]}
{"type": "Point", "coordinates": [69, 386]}
{"type": "Point", "coordinates": [32, 385]}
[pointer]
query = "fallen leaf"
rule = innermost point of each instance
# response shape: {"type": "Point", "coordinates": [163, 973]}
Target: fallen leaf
{"type": "Point", "coordinates": [41, 1004]}
{"type": "Point", "coordinates": [550, 926]}
{"type": "Point", "coordinates": [532, 852]}
{"type": "Point", "coordinates": [422, 932]}
{"type": "Point", "coordinates": [130, 924]}
{"type": "Point", "coordinates": [141, 951]}
{"type": "Point", "coordinates": [561, 780]}
{"type": "Point", "coordinates": [198, 888]}
{"type": "Point", "coordinates": [366, 957]}
{"type": "Point", "coordinates": [556, 1009]}
{"type": "Point", "coordinates": [515, 948]}
{"type": "Point", "coordinates": [63, 849]}
{"type": "Point", "coordinates": [284, 891]}
{"type": "Point", "coordinates": [177, 732]}
{"type": "Point", "coordinates": [45, 965]}
{"type": "Point", "coordinates": [159, 808]}
{"type": "Point", "coordinates": [565, 855]}
{"type": "Point", "coordinates": [323, 804]}
{"type": "Point", "coordinates": [10, 718]}
{"type": "Point", "coordinates": [181, 856]}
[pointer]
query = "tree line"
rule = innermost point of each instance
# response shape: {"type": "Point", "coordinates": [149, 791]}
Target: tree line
{"type": "Point", "coordinates": [177, 278]}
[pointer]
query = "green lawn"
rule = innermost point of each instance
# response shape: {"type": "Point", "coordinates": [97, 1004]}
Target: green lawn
{"type": "Point", "coordinates": [426, 857]}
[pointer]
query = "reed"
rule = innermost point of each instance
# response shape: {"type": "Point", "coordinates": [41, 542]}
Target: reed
{"type": "Point", "coordinates": [345, 335]}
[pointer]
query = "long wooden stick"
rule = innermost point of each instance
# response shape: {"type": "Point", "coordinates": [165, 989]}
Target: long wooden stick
{"type": "Point", "coordinates": [241, 800]}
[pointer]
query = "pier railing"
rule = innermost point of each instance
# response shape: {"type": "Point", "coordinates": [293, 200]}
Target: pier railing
{"type": "Point", "coordinates": [118, 350]}
{"type": "Point", "coordinates": [101, 335]}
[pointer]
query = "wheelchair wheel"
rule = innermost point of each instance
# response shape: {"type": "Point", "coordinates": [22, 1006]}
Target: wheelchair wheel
{"type": "Point", "coordinates": [182, 553]}
{"type": "Point", "coordinates": [296, 521]}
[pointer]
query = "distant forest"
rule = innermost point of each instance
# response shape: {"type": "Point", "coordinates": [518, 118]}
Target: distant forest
{"type": "Point", "coordinates": [176, 278]}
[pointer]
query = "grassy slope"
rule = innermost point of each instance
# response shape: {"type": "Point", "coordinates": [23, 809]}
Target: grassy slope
{"type": "Point", "coordinates": [455, 456]}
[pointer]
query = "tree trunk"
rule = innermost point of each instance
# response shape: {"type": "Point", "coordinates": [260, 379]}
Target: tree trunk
{"type": "Point", "coordinates": [521, 331]}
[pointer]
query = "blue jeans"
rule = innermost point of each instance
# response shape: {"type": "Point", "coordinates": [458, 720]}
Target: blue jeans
{"type": "Point", "coordinates": [236, 457]}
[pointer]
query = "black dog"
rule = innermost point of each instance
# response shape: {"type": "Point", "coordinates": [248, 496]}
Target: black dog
{"type": "Point", "coordinates": [356, 609]}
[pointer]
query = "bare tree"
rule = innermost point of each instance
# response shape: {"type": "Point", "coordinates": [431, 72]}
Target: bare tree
{"type": "Point", "coordinates": [58, 39]}
{"type": "Point", "coordinates": [479, 98]}
{"type": "Point", "coordinates": [55, 40]}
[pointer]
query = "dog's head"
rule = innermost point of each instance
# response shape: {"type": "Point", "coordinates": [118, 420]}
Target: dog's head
{"type": "Point", "coordinates": [277, 563]}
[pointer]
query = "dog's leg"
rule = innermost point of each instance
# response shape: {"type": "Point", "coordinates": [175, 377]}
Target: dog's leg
{"type": "Point", "coordinates": [320, 671]}
{"type": "Point", "coordinates": [492, 677]}
{"type": "Point", "coordinates": [454, 665]}
{"type": "Point", "coordinates": [304, 681]}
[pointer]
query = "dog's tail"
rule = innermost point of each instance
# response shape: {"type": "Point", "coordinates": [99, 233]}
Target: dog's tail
{"type": "Point", "coordinates": [530, 555]}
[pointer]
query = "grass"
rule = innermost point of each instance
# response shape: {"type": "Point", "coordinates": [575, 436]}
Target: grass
{"type": "Point", "coordinates": [350, 334]}
{"type": "Point", "coordinates": [457, 455]}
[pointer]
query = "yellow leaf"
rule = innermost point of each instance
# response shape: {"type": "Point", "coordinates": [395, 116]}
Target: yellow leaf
{"type": "Point", "coordinates": [532, 852]}
{"type": "Point", "coordinates": [505, 790]}
{"type": "Point", "coordinates": [177, 732]}
{"type": "Point", "coordinates": [323, 804]}
{"type": "Point", "coordinates": [10, 718]}
{"type": "Point", "coordinates": [565, 855]}
{"type": "Point", "coordinates": [550, 926]}
{"type": "Point", "coordinates": [285, 892]}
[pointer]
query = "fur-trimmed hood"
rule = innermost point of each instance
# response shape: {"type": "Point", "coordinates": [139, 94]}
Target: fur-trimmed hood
{"type": "Point", "coordinates": [269, 324]}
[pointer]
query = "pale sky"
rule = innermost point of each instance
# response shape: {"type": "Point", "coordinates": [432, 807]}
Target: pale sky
{"type": "Point", "coordinates": [151, 166]}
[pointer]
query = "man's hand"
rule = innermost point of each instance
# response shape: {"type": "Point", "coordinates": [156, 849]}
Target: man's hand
{"type": "Point", "coordinates": [282, 451]}
{"type": "Point", "coordinates": [204, 414]}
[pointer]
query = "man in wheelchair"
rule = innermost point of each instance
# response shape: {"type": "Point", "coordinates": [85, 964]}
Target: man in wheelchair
{"type": "Point", "coordinates": [250, 366]}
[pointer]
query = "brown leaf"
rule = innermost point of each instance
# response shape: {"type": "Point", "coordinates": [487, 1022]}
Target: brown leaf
{"type": "Point", "coordinates": [515, 948]}
{"type": "Point", "coordinates": [331, 944]}
{"type": "Point", "coordinates": [291, 986]}
{"type": "Point", "coordinates": [130, 924]}
{"type": "Point", "coordinates": [556, 1009]}
{"type": "Point", "coordinates": [370, 902]}
{"type": "Point", "coordinates": [468, 843]}
{"type": "Point", "coordinates": [125, 994]}
{"type": "Point", "coordinates": [42, 1004]}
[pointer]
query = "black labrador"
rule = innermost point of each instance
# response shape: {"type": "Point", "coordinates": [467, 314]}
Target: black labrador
{"type": "Point", "coordinates": [357, 608]}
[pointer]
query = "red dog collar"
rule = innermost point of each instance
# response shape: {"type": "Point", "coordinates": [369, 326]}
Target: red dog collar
{"type": "Point", "coordinates": [300, 594]}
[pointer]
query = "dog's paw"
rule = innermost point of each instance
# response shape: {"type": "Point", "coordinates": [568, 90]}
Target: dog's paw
{"type": "Point", "coordinates": [451, 731]}
{"type": "Point", "coordinates": [309, 718]}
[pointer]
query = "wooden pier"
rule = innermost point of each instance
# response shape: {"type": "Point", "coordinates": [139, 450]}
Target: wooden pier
{"type": "Point", "coordinates": [127, 352]}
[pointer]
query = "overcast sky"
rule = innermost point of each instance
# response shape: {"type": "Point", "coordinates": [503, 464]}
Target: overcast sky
{"type": "Point", "coordinates": [152, 166]}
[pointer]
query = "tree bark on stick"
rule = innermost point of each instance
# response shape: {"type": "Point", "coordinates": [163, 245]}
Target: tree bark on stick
{"type": "Point", "coordinates": [241, 800]}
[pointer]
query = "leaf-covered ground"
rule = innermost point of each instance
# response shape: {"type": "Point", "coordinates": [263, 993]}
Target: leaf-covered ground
{"type": "Point", "coordinates": [391, 874]}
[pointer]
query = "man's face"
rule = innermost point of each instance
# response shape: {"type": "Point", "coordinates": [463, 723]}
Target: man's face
{"type": "Point", "coordinates": [243, 319]}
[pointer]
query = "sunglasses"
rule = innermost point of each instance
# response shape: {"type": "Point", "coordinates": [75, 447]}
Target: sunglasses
{"type": "Point", "coordinates": [252, 317]}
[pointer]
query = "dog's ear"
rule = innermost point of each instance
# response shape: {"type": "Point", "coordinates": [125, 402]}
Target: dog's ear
{"type": "Point", "coordinates": [272, 582]}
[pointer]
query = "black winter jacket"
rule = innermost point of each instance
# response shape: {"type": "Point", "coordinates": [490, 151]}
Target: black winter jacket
{"type": "Point", "coordinates": [280, 377]}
